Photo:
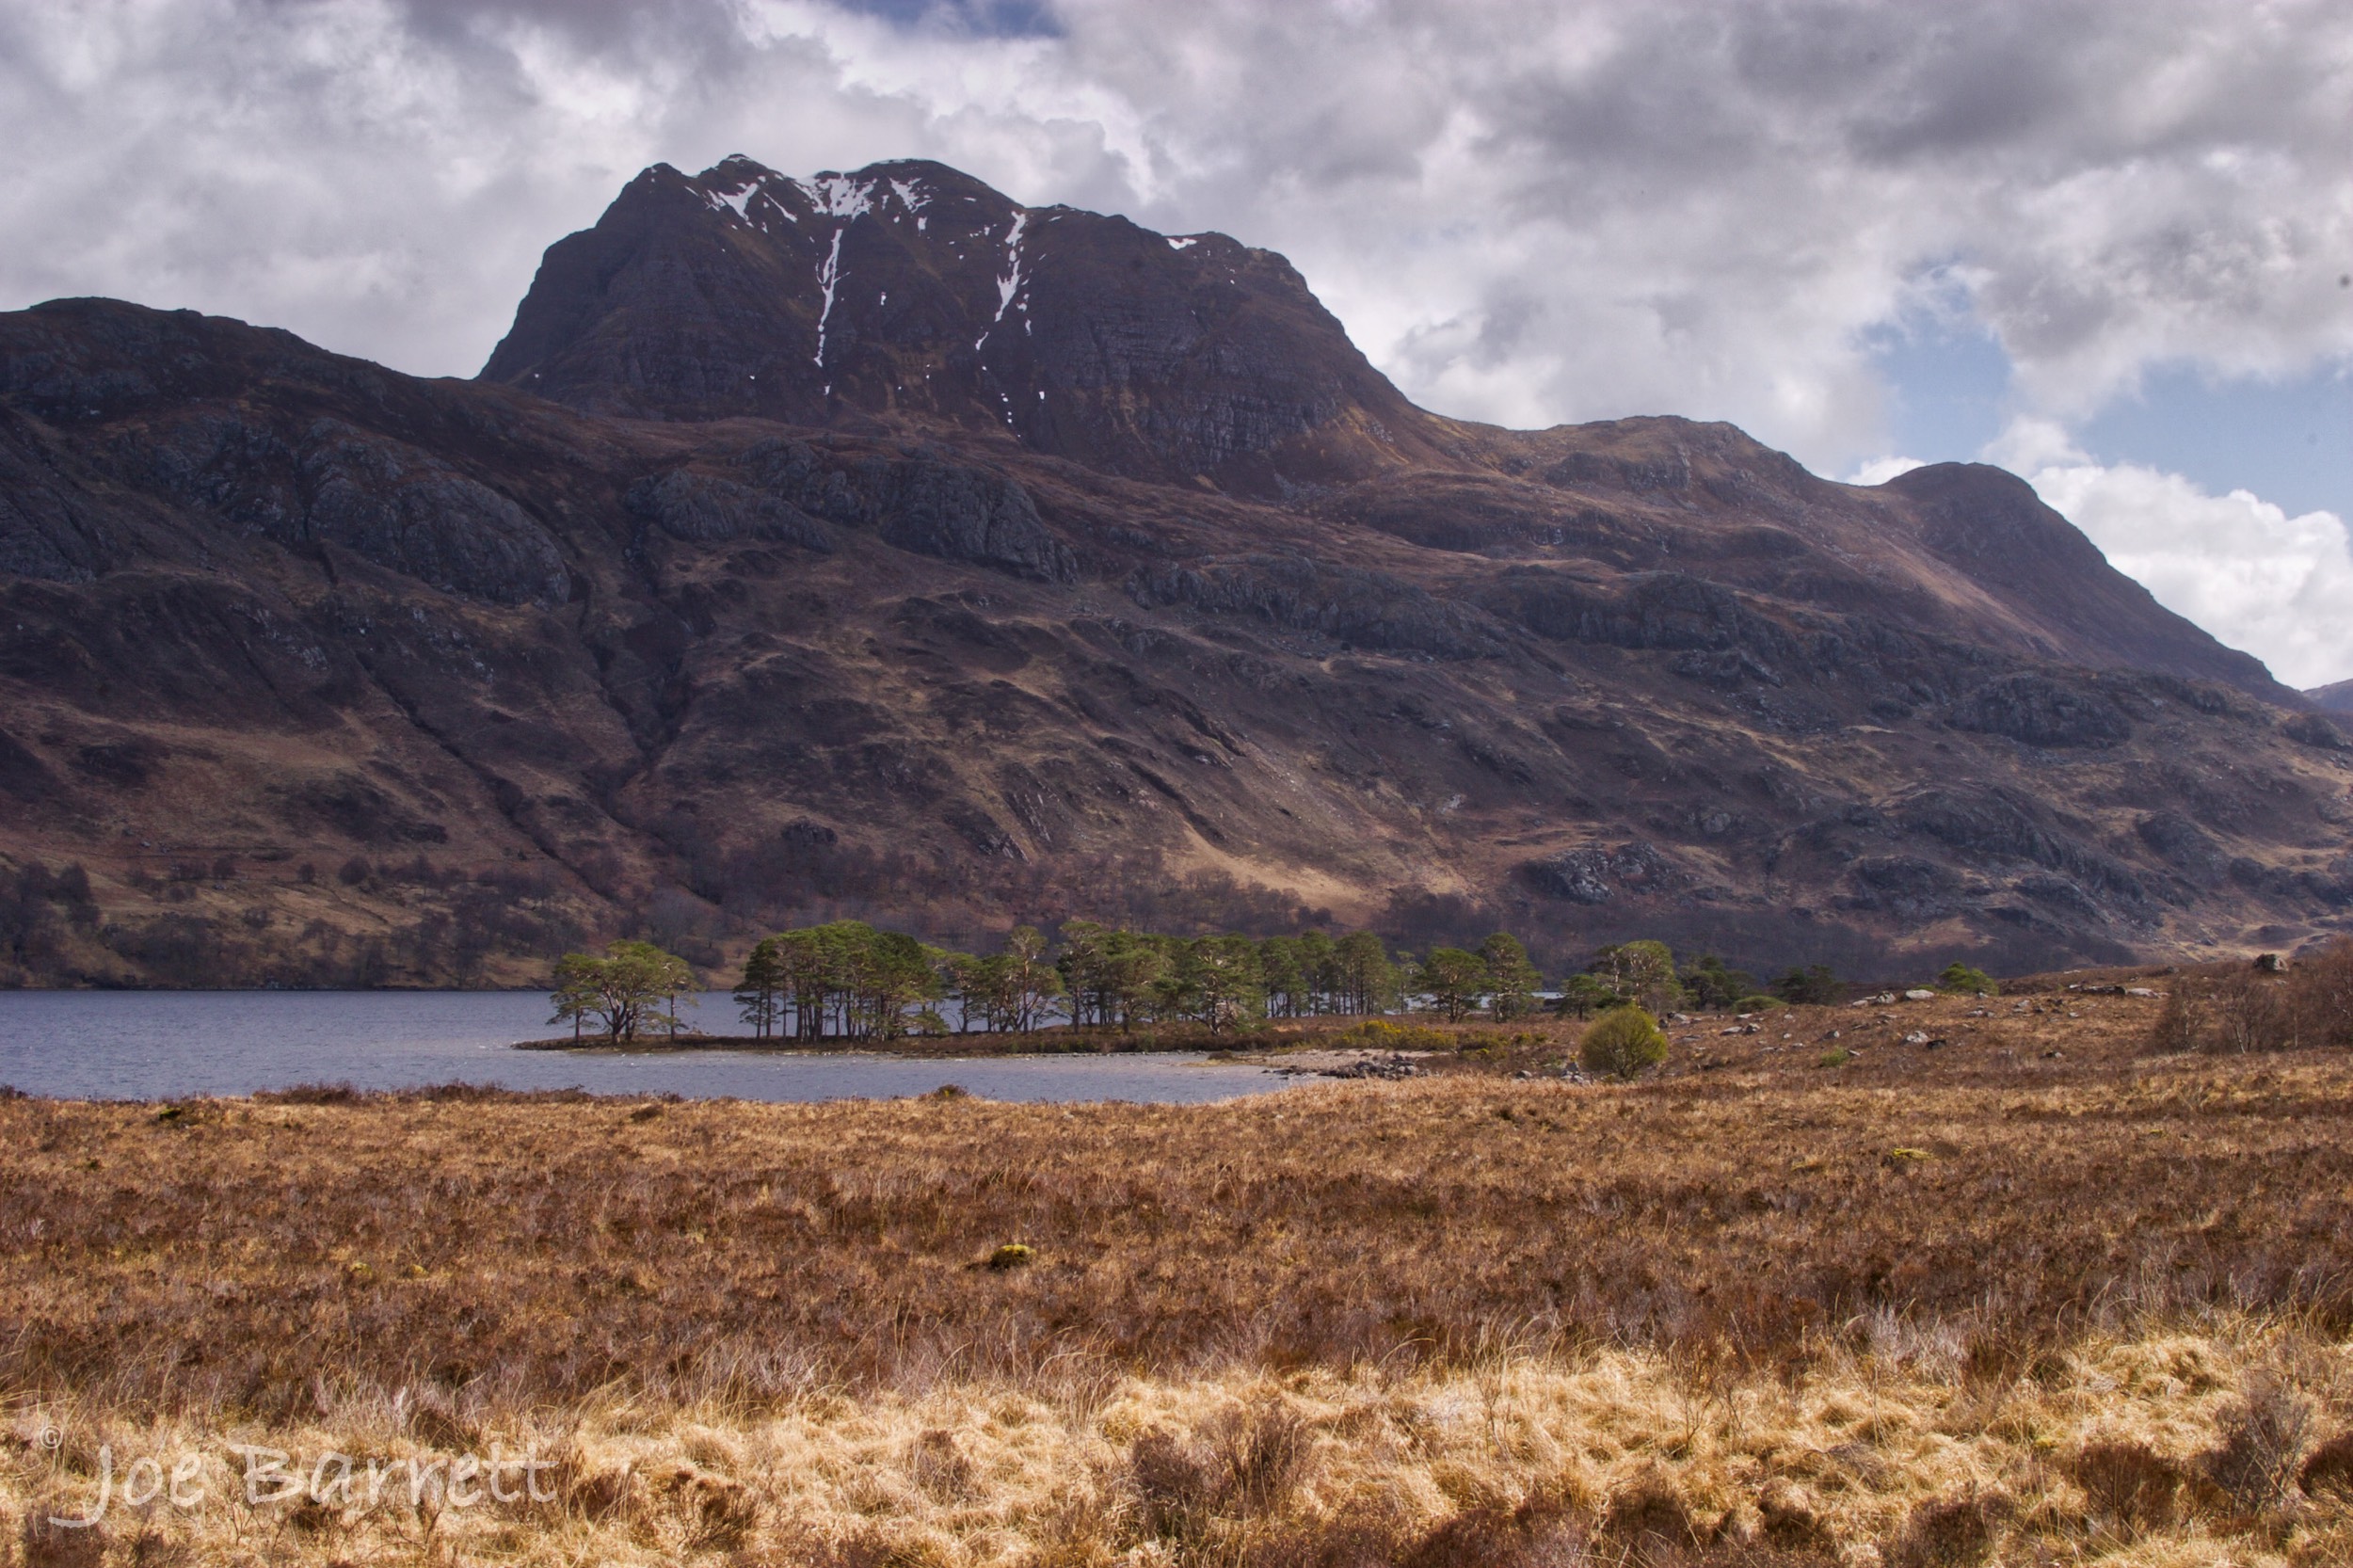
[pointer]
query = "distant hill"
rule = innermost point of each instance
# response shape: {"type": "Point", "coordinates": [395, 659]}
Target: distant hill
{"type": "Point", "coordinates": [2336, 698]}
{"type": "Point", "coordinates": [869, 543]}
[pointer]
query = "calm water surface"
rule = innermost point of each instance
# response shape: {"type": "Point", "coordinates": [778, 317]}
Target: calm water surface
{"type": "Point", "coordinates": [166, 1045]}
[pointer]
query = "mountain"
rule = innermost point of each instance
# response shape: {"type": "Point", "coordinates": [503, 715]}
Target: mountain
{"type": "Point", "coordinates": [2336, 698]}
{"type": "Point", "coordinates": [909, 289]}
{"type": "Point", "coordinates": [908, 295]}
{"type": "Point", "coordinates": [873, 544]}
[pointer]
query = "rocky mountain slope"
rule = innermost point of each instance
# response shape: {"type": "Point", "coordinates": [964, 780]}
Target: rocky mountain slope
{"type": "Point", "coordinates": [873, 544]}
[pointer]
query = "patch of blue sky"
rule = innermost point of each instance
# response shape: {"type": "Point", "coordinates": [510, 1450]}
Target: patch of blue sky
{"type": "Point", "coordinates": [972, 18]}
{"type": "Point", "coordinates": [2289, 441]}
{"type": "Point", "coordinates": [1949, 386]}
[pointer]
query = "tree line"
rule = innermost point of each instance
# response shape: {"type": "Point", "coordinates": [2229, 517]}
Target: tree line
{"type": "Point", "coordinates": [848, 980]}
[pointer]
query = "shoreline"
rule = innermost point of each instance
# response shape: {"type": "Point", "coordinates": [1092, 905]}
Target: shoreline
{"type": "Point", "coordinates": [1263, 1044]}
{"type": "Point", "coordinates": [1302, 1059]}
{"type": "Point", "coordinates": [933, 1047]}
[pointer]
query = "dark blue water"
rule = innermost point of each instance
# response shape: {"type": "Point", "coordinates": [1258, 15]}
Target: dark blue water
{"type": "Point", "coordinates": [170, 1045]}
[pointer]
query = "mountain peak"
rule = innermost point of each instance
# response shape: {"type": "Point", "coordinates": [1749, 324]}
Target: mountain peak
{"type": "Point", "coordinates": [910, 290]}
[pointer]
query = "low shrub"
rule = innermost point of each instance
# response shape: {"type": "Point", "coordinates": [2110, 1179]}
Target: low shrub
{"type": "Point", "coordinates": [1964, 981]}
{"type": "Point", "coordinates": [1380, 1034]}
{"type": "Point", "coordinates": [1622, 1043]}
{"type": "Point", "coordinates": [2298, 1006]}
{"type": "Point", "coordinates": [1813, 985]}
{"type": "Point", "coordinates": [1757, 1004]}
{"type": "Point", "coordinates": [1961, 1532]}
{"type": "Point", "coordinates": [312, 1094]}
{"type": "Point", "coordinates": [2265, 1433]}
{"type": "Point", "coordinates": [2131, 1486]}
{"type": "Point", "coordinates": [1243, 1465]}
{"type": "Point", "coordinates": [2330, 1471]}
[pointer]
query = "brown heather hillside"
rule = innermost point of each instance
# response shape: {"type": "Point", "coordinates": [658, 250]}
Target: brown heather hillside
{"type": "Point", "coordinates": [2031, 1296]}
{"type": "Point", "coordinates": [1075, 570]}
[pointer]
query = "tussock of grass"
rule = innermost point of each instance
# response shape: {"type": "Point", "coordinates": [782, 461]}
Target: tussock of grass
{"type": "Point", "coordinates": [1514, 1456]}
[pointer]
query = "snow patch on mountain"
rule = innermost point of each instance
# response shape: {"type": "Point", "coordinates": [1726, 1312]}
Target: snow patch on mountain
{"type": "Point", "coordinates": [840, 195]}
{"type": "Point", "coordinates": [1010, 283]}
{"type": "Point", "coordinates": [828, 279]}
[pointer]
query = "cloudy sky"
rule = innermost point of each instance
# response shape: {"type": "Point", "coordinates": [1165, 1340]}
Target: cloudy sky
{"type": "Point", "coordinates": [2106, 243]}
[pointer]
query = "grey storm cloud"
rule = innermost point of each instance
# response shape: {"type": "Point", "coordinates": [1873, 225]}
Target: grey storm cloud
{"type": "Point", "coordinates": [1527, 212]}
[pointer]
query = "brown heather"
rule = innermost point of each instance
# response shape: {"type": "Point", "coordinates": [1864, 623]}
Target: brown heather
{"type": "Point", "coordinates": [2227, 1009]}
{"type": "Point", "coordinates": [1970, 1306]}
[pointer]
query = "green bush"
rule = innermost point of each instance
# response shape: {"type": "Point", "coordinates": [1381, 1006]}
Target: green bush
{"type": "Point", "coordinates": [1641, 972]}
{"type": "Point", "coordinates": [1811, 986]}
{"type": "Point", "coordinates": [1711, 984]}
{"type": "Point", "coordinates": [1582, 995]}
{"type": "Point", "coordinates": [1757, 1004]}
{"type": "Point", "coordinates": [1622, 1043]}
{"type": "Point", "coordinates": [1961, 978]}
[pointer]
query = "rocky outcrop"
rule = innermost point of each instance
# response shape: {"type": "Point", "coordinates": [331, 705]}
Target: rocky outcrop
{"type": "Point", "coordinates": [413, 514]}
{"type": "Point", "coordinates": [706, 508]}
{"type": "Point", "coordinates": [1907, 887]}
{"type": "Point", "coordinates": [1651, 610]}
{"type": "Point", "coordinates": [921, 503]}
{"type": "Point", "coordinates": [2318, 730]}
{"type": "Point", "coordinates": [1991, 825]}
{"type": "Point", "coordinates": [1349, 607]}
{"type": "Point", "coordinates": [1595, 873]}
{"type": "Point", "coordinates": [2038, 710]}
{"type": "Point", "coordinates": [329, 483]}
{"type": "Point", "coordinates": [2184, 845]}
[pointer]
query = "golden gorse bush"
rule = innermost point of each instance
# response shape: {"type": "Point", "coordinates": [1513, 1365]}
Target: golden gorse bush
{"type": "Point", "coordinates": [1622, 1043]}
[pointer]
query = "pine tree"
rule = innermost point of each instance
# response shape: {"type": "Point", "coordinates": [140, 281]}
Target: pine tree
{"type": "Point", "coordinates": [759, 996]}
{"type": "Point", "coordinates": [1453, 979]}
{"type": "Point", "coordinates": [1512, 979]}
{"type": "Point", "coordinates": [621, 987]}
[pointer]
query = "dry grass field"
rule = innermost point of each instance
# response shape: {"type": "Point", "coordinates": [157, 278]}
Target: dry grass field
{"type": "Point", "coordinates": [2029, 1294]}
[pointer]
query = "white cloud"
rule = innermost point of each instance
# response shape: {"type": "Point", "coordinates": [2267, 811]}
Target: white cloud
{"type": "Point", "coordinates": [2277, 586]}
{"type": "Point", "coordinates": [1878, 470]}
